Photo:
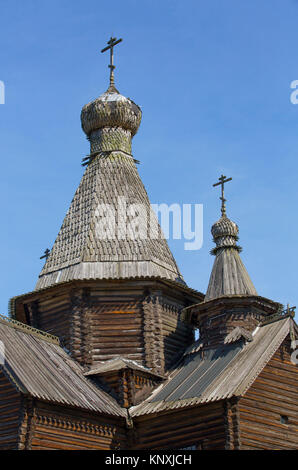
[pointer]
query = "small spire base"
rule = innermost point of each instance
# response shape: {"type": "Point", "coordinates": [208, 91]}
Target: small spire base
{"type": "Point", "coordinates": [112, 89]}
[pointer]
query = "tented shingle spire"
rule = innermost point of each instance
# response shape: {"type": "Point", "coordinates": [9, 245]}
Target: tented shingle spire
{"type": "Point", "coordinates": [229, 275]}
{"type": "Point", "coordinates": [110, 230]}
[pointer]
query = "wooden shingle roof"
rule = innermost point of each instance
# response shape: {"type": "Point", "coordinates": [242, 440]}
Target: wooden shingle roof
{"type": "Point", "coordinates": [38, 366]}
{"type": "Point", "coordinates": [229, 275]}
{"type": "Point", "coordinates": [82, 251]}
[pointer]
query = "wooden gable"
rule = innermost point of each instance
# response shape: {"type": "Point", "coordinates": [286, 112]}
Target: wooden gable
{"type": "Point", "coordinates": [268, 412]}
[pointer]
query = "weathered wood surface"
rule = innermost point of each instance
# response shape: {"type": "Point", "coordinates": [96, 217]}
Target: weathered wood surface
{"type": "Point", "coordinates": [128, 386]}
{"type": "Point", "coordinates": [141, 321]}
{"type": "Point", "coordinates": [10, 414]}
{"type": "Point", "coordinates": [58, 428]}
{"type": "Point", "coordinates": [251, 422]}
{"type": "Point", "coordinates": [218, 317]}
{"type": "Point", "coordinates": [35, 425]}
{"type": "Point", "coordinates": [203, 426]}
{"type": "Point", "coordinates": [273, 394]}
{"type": "Point", "coordinates": [98, 321]}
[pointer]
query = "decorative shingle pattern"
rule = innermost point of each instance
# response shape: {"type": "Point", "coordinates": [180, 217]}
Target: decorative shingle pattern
{"type": "Point", "coordinates": [110, 138]}
{"type": "Point", "coordinates": [229, 275]}
{"type": "Point", "coordinates": [111, 110]}
{"type": "Point", "coordinates": [238, 333]}
{"type": "Point", "coordinates": [87, 248]}
{"type": "Point", "coordinates": [110, 230]}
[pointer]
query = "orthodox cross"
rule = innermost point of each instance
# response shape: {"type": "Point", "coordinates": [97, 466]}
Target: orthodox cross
{"type": "Point", "coordinates": [222, 180]}
{"type": "Point", "coordinates": [46, 254]}
{"type": "Point", "coordinates": [111, 43]}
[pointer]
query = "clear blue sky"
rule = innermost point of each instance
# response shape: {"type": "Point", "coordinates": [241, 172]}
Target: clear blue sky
{"type": "Point", "coordinates": [213, 79]}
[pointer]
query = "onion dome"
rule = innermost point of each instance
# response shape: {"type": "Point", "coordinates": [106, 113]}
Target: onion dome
{"type": "Point", "coordinates": [111, 109]}
{"type": "Point", "coordinates": [225, 234]}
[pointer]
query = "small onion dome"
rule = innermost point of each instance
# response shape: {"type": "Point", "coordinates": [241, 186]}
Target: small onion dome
{"type": "Point", "coordinates": [111, 110]}
{"type": "Point", "coordinates": [224, 226]}
{"type": "Point", "coordinates": [225, 234]}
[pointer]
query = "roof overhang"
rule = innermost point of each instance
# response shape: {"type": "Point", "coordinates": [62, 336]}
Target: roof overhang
{"type": "Point", "coordinates": [200, 310]}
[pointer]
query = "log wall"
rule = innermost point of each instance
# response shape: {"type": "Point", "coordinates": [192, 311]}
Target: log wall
{"type": "Point", "coordinates": [203, 427]}
{"type": "Point", "coordinates": [117, 327]}
{"type": "Point", "coordinates": [129, 387]}
{"type": "Point", "coordinates": [10, 414]}
{"type": "Point", "coordinates": [272, 398]}
{"type": "Point", "coordinates": [216, 326]}
{"type": "Point", "coordinates": [99, 321]}
{"type": "Point", "coordinates": [52, 313]}
{"type": "Point", "coordinates": [57, 428]}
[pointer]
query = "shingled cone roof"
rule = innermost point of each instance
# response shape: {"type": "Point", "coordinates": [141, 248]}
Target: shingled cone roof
{"type": "Point", "coordinates": [229, 275]}
{"type": "Point", "coordinates": [86, 248]}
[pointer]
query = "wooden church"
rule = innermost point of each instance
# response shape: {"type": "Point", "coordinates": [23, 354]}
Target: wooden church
{"type": "Point", "coordinates": [102, 354]}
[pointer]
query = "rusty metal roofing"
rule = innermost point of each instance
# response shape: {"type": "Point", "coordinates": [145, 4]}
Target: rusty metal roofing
{"type": "Point", "coordinates": [215, 374]}
{"type": "Point", "coordinates": [41, 368]}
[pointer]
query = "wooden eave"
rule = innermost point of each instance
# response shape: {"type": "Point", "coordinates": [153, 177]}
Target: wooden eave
{"type": "Point", "coordinates": [193, 312]}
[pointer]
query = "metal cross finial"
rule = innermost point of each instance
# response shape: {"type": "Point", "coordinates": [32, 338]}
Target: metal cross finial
{"type": "Point", "coordinates": [222, 180]}
{"type": "Point", "coordinates": [46, 254]}
{"type": "Point", "coordinates": [111, 43]}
